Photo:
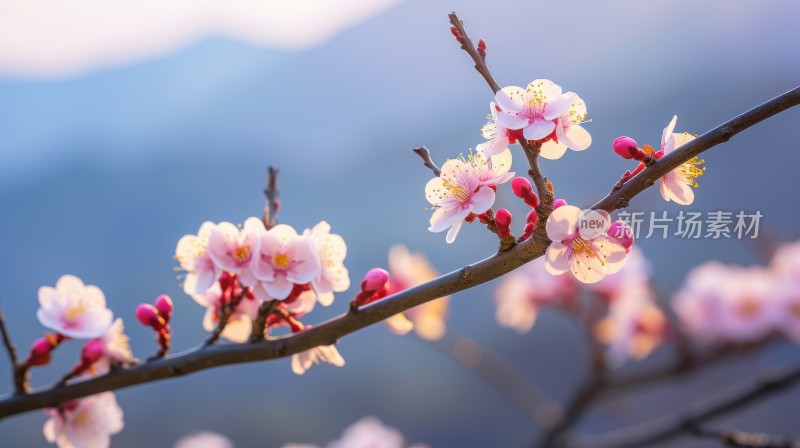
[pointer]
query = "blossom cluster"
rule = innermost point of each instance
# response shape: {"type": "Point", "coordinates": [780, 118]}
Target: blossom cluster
{"type": "Point", "coordinates": [734, 304]}
{"type": "Point", "coordinates": [368, 432]}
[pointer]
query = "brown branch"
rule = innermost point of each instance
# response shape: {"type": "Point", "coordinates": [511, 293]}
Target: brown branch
{"type": "Point", "coordinates": [741, 439]}
{"type": "Point", "coordinates": [272, 205]}
{"type": "Point", "coordinates": [260, 322]}
{"type": "Point", "coordinates": [667, 427]}
{"type": "Point", "coordinates": [425, 154]}
{"type": "Point", "coordinates": [225, 314]}
{"type": "Point", "coordinates": [329, 332]}
{"type": "Point", "coordinates": [18, 372]}
{"type": "Point", "coordinates": [466, 45]}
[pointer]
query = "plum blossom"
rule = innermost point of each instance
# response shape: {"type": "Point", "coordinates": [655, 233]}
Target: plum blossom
{"type": "Point", "coordinates": [192, 254]}
{"type": "Point", "coordinates": [233, 250]}
{"type": "Point", "coordinates": [74, 309]}
{"type": "Point", "coordinates": [333, 275]}
{"type": "Point", "coordinates": [203, 439]}
{"type": "Point", "coordinates": [523, 292]}
{"type": "Point", "coordinates": [634, 326]}
{"type": "Point", "coordinates": [459, 191]}
{"type": "Point", "coordinates": [86, 423]}
{"type": "Point", "coordinates": [498, 137]}
{"type": "Point", "coordinates": [534, 109]}
{"type": "Point", "coordinates": [116, 348]}
{"type": "Point", "coordinates": [676, 185]}
{"type": "Point", "coordinates": [240, 321]}
{"type": "Point", "coordinates": [728, 303]}
{"type": "Point", "coordinates": [285, 259]}
{"type": "Point", "coordinates": [408, 270]}
{"type": "Point", "coordinates": [588, 257]}
{"type": "Point", "coordinates": [368, 432]}
{"type": "Point", "coordinates": [569, 132]}
{"type": "Point", "coordinates": [303, 361]}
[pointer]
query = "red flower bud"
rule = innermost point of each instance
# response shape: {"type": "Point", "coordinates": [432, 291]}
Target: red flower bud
{"type": "Point", "coordinates": [482, 47]}
{"type": "Point", "coordinates": [456, 33]}
{"type": "Point", "coordinates": [502, 219]}
{"type": "Point", "coordinates": [627, 148]}
{"type": "Point", "coordinates": [40, 352]}
{"type": "Point", "coordinates": [523, 189]}
{"type": "Point", "coordinates": [558, 203]}
{"type": "Point", "coordinates": [164, 307]}
{"type": "Point", "coordinates": [375, 280]}
{"type": "Point", "coordinates": [148, 316]}
{"type": "Point", "coordinates": [623, 233]}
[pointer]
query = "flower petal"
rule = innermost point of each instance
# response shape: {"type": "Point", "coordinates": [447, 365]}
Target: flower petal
{"type": "Point", "coordinates": [556, 259]}
{"type": "Point", "coordinates": [538, 129]}
{"type": "Point", "coordinates": [563, 223]}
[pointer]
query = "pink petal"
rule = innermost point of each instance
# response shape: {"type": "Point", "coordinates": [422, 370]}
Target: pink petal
{"type": "Point", "coordinates": [510, 99]}
{"type": "Point", "coordinates": [558, 106]}
{"type": "Point", "coordinates": [575, 137]}
{"type": "Point", "coordinates": [562, 224]}
{"type": "Point", "coordinates": [482, 200]}
{"type": "Point", "coordinates": [552, 150]}
{"type": "Point", "coordinates": [556, 259]}
{"type": "Point", "coordinates": [538, 129]}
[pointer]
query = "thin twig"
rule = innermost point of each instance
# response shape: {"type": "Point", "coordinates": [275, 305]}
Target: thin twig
{"type": "Point", "coordinates": [480, 60]}
{"type": "Point", "coordinates": [225, 314]}
{"type": "Point", "coordinates": [741, 439]}
{"type": "Point", "coordinates": [670, 426]}
{"type": "Point", "coordinates": [260, 322]}
{"type": "Point", "coordinates": [272, 205]}
{"type": "Point", "coordinates": [331, 331]}
{"type": "Point", "coordinates": [19, 373]}
{"type": "Point", "coordinates": [425, 154]}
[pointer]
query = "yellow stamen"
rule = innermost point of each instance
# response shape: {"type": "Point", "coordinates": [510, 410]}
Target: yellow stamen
{"type": "Point", "coordinates": [691, 170]}
{"type": "Point", "coordinates": [281, 261]}
{"type": "Point", "coordinates": [241, 253]}
{"type": "Point", "coordinates": [75, 312]}
{"type": "Point", "coordinates": [457, 191]}
{"type": "Point", "coordinates": [580, 245]}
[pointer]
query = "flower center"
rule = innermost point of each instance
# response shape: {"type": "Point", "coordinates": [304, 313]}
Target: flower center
{"type": "Point", "coordinates": [80, 418]}
{"type": "Point", "coordinates": [75, 312]}
{"type": "Point", "coordinates": [794, 308]}
{"type": "Point", "coordinates": [457, 191]}
{"type": "Point", "coordinates": [579, 245]}
{"type": "Point", "coordinates": [691, 170]}
{"type": "Point", "coordinates": [749, 308]}
{"type": "Point", "coordinates": [281, 261]}
{"type": "Point", "coordinates": [241, 253]}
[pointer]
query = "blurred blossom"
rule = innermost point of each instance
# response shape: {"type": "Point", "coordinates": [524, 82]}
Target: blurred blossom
{"type": "Point", "coordinates": [328, 354]}
{"type": "Point", "coordinates": [333, 276]}
{"type": "Point", "coordinates": [116, 348]}
{"type": "Point", "coordinates": [635, 274]}
{"type": "Point", "coordinates": [86, 423]}
{"type": "Point", "coordinates": [522, 292]}
{"type": "Point", "coordinates": [727, 303]}
{"type": "Point", "coordinates": [42, 38]}
{"type": "Point", "coordinates": [634, 326]}
{"type": "Point", "coordinates": [786, 261]}
{"type": "Point", "coordinates": [408, 270]}
{"type": "Point", "coordinates": [74, 309]}
{"type": "Point", "coordinates": [368, 432]}
{"type": "Point", "coordinates": [204, 439]}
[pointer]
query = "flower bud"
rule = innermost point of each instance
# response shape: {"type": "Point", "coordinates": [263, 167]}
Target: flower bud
{"type": "Point", "coordinates": [623, 233]}
{"type": "Point", "coordinates": [92, 351]}
{"type": "Point", "coordinates": [522, 189]}
{"type": "Point", "coordinates": [164, 307]}
{"type": "Point", "coordinates": [558, 203]}
{"type": "Point", "coordinates": [148, 316]}
{"type": "Point", "coordinates": [482, 47]}
{"type": "Point", "coordinates": [502, 219]}
{"type": "Point", "coordinates": [375, 279]}
{"type": "Point", "coordinates": [627, 148]}
{"type": "Point", "coordinates": [40, 352]}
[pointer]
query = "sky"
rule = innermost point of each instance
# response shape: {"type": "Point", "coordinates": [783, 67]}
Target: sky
{"type": "Point", "coordinates": [124, 126]}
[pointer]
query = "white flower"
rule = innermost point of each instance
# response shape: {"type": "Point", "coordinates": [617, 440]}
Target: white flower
{"type": "Point", "coordinates": [534, 110]}
{"type": "Point", "coordinates": [74, 309]}
{"type": "Point", "coordinates": [523, 291]}
{"type": "Point", "coordinates": [368, 432]}
{"type": "Point", "coordinates": [589, 259]}
{"type": "Point", "coordinates": [86, 423]}
{"type": "Point", "coordinates": [569, 132]}
{"type": "Point", "coordinates": [324, 353]}
{"type": "Point", "coordinates": [333, 275]}
{"type": "Point", "coordinates": [676, 185]}
{"type": "Point", "coordinates": [203, 439]}
{"type": "Point", "coordinates": [634, 274]}
{"type": "Point", "coordinates": [192, 254]}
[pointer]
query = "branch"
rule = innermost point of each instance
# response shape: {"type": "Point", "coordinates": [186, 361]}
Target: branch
{"type": "Point", "coordinates": [19, 373]}
{"type": "Point", "coordinates": [425, 154]}
{"type": "Point", "coordinates": [743, 439]}
{"type": "Point", "coordinates": [329, 332]}
{"type": "Point", "coordinates": [667, 427]}
{"type": "Point", "coordinates": [466, 45]}
{"type": "Point", "coordinates": [272, 205]}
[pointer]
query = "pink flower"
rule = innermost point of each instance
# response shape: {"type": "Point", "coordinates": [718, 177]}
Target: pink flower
{"type": "Point", "coordinates": [333, 275]}
{"type": "Point", "coordinates": [86, 423]}
{"type": "Point", "coordinates": [368, 432]}
{"type": "Point", "coordinates": [409, 270]}
{"type": "Point", "coordinates": [74, 309]}
{"type": "Point", "coordinates": [285, 259]}
{"type": "Point", "coordinates": [240, 322]}
{"type": "Point", "coordinates": [303, 361]}
{"type": "Point", "coordinates": [569, 132]}
{"type": "Point", "coordinates": [498, 137]}
{"type": "Point", "coordinates": [203, 439]}
{"type": "Point", "coordinates": [676, 185]}
{"type": "Point", "coordinates": [534, 110]}
{"type": "Point", "coordinates": [116, 348]}
{"type": "Point", "coordinates": [589, 257]}
{"type": "Point", "coordinates": [635, 274]}
{"type": "Point", "coordinates": [523, 292]}
{"type": "Point", "coordinates": [232, 249]}
{"type": "Point", "coordinates": [634, 327]}
{"type": "Point", "coordinates": [456, 193]}
{"type": "Point", "coordinates": [192, 254]}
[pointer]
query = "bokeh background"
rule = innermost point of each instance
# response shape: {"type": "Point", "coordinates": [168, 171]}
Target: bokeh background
{"type": "Point", "coordinates": [107, 159]}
